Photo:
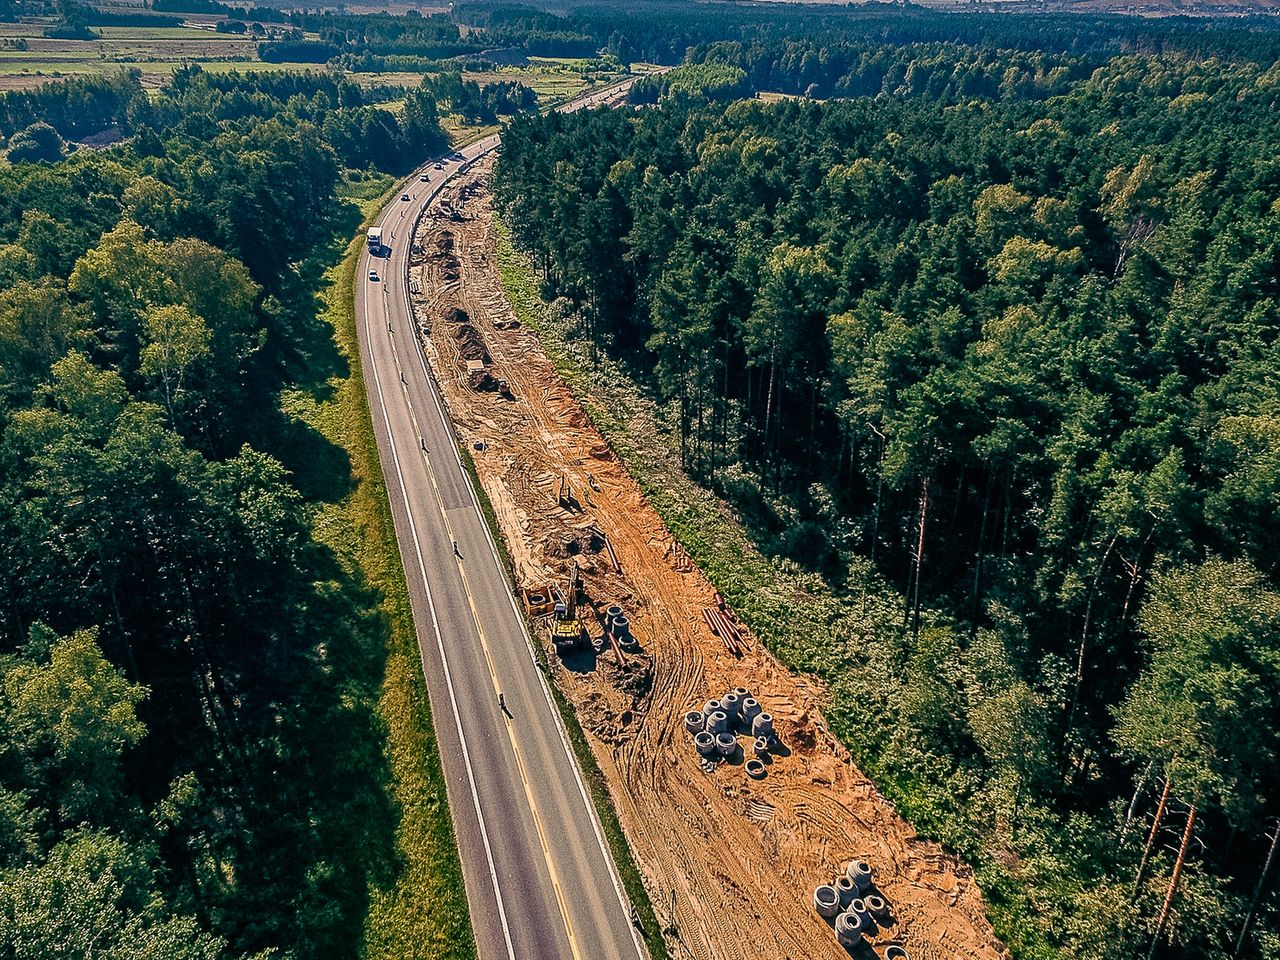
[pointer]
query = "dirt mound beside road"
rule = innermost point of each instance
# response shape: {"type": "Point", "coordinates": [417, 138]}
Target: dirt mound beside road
{"type": "Point", "coordinates": [470, 344]}
{"type": "Point", "coordinates": [730, 862]}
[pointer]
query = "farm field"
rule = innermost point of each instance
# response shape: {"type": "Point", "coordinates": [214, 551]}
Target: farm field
{"type": "Point", "coordinates": [552, 80]}
{"type": "Point", "coordinates": [547, 82]}
{"type": "Point", "coordinates": [24, 76]}
{"type": "Point", "coordinates": [156, 51]}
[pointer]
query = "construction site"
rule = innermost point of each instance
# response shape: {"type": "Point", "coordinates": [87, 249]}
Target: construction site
{"type": "Point", "coordinates": [757, 837]}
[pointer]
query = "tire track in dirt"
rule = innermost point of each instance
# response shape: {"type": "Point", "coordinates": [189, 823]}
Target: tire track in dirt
{"type": "Point", "coordinates": [730, 863]}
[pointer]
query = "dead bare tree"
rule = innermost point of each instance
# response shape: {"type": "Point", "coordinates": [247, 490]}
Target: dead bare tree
{"type": "Point", "coordinates": [1257, 892]}
{"type": "Point", "coordinates": [1172, 889]}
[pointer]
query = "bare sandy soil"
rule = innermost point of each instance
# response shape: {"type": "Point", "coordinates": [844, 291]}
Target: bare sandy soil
{"type": "Point", "coordinates": [731, 863]}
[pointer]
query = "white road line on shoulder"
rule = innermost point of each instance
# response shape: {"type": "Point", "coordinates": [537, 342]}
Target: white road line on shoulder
{"type": "Point", "coordinates": [435, 623]}
{"type": "Point", "coordinates": [433, 389]}
{"type": "Point", "coordinates": [493, 678]}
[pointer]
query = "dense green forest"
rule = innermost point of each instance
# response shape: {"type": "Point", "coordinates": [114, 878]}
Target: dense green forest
{"type": "Point", "coordinates": [663, 31]}
{"type": "Point", "coordinates": [990, 332]}
{"type": "Point", "coordinates": [996, 334]}
{"type": "Point", "coordinates": [191, 764]}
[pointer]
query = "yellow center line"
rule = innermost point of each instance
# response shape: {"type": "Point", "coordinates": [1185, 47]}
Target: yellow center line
{"type": "Point", "coordinates": [493, 674]}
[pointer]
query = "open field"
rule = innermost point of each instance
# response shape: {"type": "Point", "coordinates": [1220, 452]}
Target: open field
{"type": "Point", "coordinates": [460, 132]}
{"type": "Point", "coordinates": [126, 50]}
{"type": "Point", "coordinates": [156, 51]}
{"type": "Point", "coordinates": [547, 83]}
{"type": "Point", "coordinates": [159, 51]}
{"type": "Point", "coordinates": [24, 76]}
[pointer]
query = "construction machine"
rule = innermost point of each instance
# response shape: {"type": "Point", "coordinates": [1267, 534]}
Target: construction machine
{"type": "Point", "coordinates": [567, 631]}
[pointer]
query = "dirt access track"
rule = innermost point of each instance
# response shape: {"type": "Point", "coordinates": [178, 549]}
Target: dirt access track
{"type": "Point", "coordinates": [731, 863]}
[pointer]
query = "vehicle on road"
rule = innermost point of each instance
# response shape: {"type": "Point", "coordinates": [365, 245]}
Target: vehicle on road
{"type": "Point", "coordinates": [375, 239]}
{"type": "Point", "coordinates": [405, 197]}
{"type": "Point", "coordinates": [373, 275]}
{"type": "Point", "coordinates": [537, 929]}
{"type": "Point", "coordinates": [424, 178]}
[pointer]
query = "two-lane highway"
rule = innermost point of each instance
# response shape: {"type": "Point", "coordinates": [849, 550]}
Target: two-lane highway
{"type": "Point", "coordinates": [540, 882]}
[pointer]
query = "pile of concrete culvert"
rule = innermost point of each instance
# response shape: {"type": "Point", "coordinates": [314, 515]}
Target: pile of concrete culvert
{"type": "Point", "coordinates": [854, 907]}
{"type": "Point", "coordinates": [616, 623]}
{"type": "Point", "coordinates": [716, 725]}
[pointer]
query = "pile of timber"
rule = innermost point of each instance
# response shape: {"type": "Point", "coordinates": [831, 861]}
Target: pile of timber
{"type": "Point", "coordinates": [725, 626]}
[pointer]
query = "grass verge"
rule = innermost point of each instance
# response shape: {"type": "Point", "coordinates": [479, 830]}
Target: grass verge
{"type": "Point", "coordinates": [628, 872]}
{"type": "Point", "coordinates": [422, 914]}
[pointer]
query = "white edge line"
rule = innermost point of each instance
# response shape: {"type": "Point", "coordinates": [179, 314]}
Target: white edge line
{"type": "Point", "coordinates": [435, 623]}
{"type": "Point", "coordinates": [493, 549]}
{"type": "Point", "coordinates": [542, 680]}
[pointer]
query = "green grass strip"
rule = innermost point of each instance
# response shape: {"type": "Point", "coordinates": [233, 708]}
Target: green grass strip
{"type": "Point", "coordinates": [422, 914]}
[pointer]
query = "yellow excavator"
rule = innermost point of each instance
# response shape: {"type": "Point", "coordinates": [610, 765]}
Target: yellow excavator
{"type": "Point", "coordinates": [566, 629]}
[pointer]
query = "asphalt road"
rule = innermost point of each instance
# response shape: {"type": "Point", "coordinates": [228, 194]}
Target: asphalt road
{"type": "Point", "coordinates": [540, 881]}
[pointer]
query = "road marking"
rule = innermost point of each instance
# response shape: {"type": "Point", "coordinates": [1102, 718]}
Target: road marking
{"type": "Point", "coordinates": [597, 827]}
{"type": "Point", "coordinates": [435, 622]}
{"type": "Point", "coordinates": [482, 148]}
{"type": "Point", "coordinates": [515, 746]}
{"type": "Point", "coordinates": [493, 677]}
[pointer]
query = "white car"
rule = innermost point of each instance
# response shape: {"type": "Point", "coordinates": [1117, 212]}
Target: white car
{"type": "Point", "coordinates": [405, 197]}
{"type": "Point", "coordinates": [424, 178]}
{"type": "Point", "coordinates": [373, 274]}
{"type": "Point", "coordinates": [439, 166]}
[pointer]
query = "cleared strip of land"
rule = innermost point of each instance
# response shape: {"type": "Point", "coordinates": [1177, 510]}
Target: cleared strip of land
{"type": "Point", "coordinates": [731, 862]}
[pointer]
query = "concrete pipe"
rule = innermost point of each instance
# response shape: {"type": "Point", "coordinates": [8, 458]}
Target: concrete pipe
{"type": "Point", "coordinates": [705, 743]}
{"type": "Point", "coordinates": [750, 708]}
{"type": "Point", "coordinates": [859, 872]}
{"type": "Point", "coordinates": [710, 707]}
{"type": "Point", "coordinates": [761, 746]}
{"type": "Point", "coordinates": [826, 901]}
{"type": "Point", "coordinates": [726, 743]}
{"type": "Point", "coordinates": [731, 704]}
{"type": "Point", "coordinates": [612, 613]}
{"type": "Point", "coordinates": [896, 952]}
{"type": "Point", "coordinates": [846, 889]}
{"type": "Point", "coordinates": [755, 769]}
{"type": "Point", "coordinates": [848, 929]}
{"type": "Point", "coordinates": [621, 627]}
{"type": "Point", "coordinates": [695, 722]}
{"type": "Point", "coordinates": [717, 721]}
{"type": "Point", "coordinates": [742, 692]}
{"type": "Point", "coordinates": [858, 907]}
{"type": "Point", "coordinates": [877, 907]}
{"type": "Point", "coordinates": [762, 725]}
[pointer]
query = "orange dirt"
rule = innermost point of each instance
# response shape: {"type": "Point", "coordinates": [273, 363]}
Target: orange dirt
{"type": "Point", "coordinates": [736, 859]}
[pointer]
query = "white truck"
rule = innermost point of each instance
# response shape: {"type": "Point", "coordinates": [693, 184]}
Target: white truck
{"type": "Point", "coordinates": [375, 239]}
